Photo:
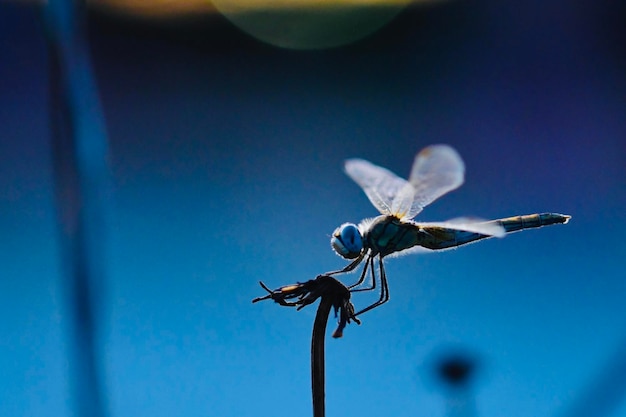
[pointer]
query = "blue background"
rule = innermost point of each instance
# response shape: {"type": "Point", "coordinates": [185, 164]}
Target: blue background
{"type": "Point", "coordinates": [226, 157]}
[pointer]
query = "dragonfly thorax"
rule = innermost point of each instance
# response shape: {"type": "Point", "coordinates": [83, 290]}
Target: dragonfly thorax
{"type": "Point", "coordinates": [388, 234]}
{"type": "Point", "coordinates": [347, 241]}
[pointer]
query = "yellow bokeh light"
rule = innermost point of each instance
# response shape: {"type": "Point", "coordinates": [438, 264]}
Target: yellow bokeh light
{"type": "Point", "coordinates": [162, 9]}
{"type": "Point", "coordinates": [296, 24]}
{"type": "Point", "coordinates": [309, 24]}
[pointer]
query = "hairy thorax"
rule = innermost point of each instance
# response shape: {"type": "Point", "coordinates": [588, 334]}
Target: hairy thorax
{"type": "Point", "coordinates": [388, 234]}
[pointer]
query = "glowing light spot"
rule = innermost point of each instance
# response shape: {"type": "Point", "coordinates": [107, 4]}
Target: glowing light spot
{"type": "Point", "coordinates": [295, 24]}
{"type": "Point", "coordinates": [310, 24]}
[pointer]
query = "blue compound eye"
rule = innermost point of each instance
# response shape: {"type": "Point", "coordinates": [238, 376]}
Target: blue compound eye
{"type": "Point", "coordinates": [347, 241]}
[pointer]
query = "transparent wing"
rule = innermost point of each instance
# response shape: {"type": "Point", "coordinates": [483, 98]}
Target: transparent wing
{"type": "Point", "coordinates": [403, 201]}
{"type": "Point", "coordinates": [380, 185]}
{"type": "Point", "coordinates": [437, 170]}
{"type": "Point", "coordinates": [470, 224]}
{"type": "Point", "coordinates": [456, 232]}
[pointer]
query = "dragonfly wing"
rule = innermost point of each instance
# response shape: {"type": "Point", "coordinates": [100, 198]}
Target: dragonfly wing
{"type": "Point", "coordinates": [453, 233]}
{"type": "Point", "coordinates": [403, 201]}
{"type": "Point", "coordinates": [469, 224]}
{"type": "Point", "coordinates": [380, 185]}
{"type": "Point", "coordinates": [437, 170]}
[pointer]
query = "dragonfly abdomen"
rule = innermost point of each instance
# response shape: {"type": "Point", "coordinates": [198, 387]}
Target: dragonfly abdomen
{"type": "Point", "coordinates": [437, 237]}
{"type": "Point", "coordinates": [530, 221]}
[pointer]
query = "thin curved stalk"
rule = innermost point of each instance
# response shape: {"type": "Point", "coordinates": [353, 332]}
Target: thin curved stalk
{"type": "Point", "coordinates": [317, 356]}
{"type": "Point", "coordinates": [333, 294]}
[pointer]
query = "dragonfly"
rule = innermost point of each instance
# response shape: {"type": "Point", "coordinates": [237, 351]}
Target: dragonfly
{"type": "Point", "coordinates": [437, 170]}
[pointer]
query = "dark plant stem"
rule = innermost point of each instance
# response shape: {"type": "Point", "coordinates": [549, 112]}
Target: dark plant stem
{"type": "Point", "coordinates": [331, 293]}
{"type": "Point", "coordinates": [317, 356]}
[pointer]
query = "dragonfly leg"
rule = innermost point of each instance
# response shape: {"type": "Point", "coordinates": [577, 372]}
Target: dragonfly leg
{"type": "Point", "coordinates": [368, 264]}
{"type": "Point", "coordinates": [349, 267]}
{"type": "Point", "coordinates": [384, 290]}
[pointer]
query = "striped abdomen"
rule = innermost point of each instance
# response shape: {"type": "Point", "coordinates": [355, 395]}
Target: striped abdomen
{"type": "Point", "coordinates": [448, 237]}
{"type": "Point", "coordinates": [529, 221]}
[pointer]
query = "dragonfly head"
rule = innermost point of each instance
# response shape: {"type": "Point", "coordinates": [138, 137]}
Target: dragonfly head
{"type": "Point", "coordinates": [347, 241]}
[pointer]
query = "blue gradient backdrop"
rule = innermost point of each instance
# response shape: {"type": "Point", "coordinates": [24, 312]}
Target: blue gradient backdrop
{"type": "Point", "coordinates": [227, 156]}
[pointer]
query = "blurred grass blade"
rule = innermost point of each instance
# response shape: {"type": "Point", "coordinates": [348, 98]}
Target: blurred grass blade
{"type": "Point", "coordinates": [81, 182]}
